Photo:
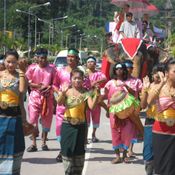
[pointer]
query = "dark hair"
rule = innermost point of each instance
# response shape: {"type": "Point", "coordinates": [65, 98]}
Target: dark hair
{"type": "Point", "coordinates": [158, 68]}
{"type": "Point", "coordinates": [128, 61]}
{"type": "Point", "coordinates": [2, 57]}
{"type": "Point", "coordinates": [41, 51]}
{"type": "Point", "coordinates": [129, 14]}
{"type": "Point", "coordinates": [125, 71]}
{"type": "Point", "coordinates": [145, 22]}
{"type": "Point", "coordinates": [12, 52]}
{"type": "Point", "coordinates": [77, 71]}
{"type": "Point", "coordinates": [109, 34]}
{"type": "Point", "coordinates": [169, 63]}
{"type": "Point", "coordinates": [127, 5]}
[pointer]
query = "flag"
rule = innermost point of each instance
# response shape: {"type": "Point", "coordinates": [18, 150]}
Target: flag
{"type": "Point", "coordinates": [110, 26]}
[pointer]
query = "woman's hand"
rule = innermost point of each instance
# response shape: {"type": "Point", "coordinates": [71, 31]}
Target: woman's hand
{"type": "Point", "coordinates": [22, 63]}
{"type": "Point", "coordinates": [146, 83]}
{"type": "Point", "coordinates": [163, 78]}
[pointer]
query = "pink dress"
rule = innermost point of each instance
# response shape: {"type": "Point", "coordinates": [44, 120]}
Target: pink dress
{"type": "Point", "coordinates": [95, 113]}
{"type": "Point", "coordinates": [37, 75]}
{"type": "Point", "coordinates": [121, 130]}
{"type": "Point", "coordinates": [135, 84]}
{"type": "Point", "coordinates": [62, 78]}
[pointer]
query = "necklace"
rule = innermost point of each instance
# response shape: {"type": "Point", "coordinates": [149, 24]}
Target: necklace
{"type": "Point", "coordinates": [170, 91]}
{"type": "Point", "coordinates": [77, 97]}
{"type": "Point", "coordinates": [6, 81]}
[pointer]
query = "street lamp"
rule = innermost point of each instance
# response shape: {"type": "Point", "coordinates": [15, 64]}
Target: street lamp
{"type": "Point", "coordinates": [29, 30]}
{"type": "Point", "coordinates": [56, 19]}
{"type": "Point", "coordinates": [5, 20]}
{"type": "Point", "coordinates": [50, 27]}
{"type": "Point", "coordinates": [21, 11]}
{"type": "Point", "coordinates": [168, 9]}
{"type": "Point", "coordinates": [81, 39]}
{"type": "Point", "coordinates": [62, 33]}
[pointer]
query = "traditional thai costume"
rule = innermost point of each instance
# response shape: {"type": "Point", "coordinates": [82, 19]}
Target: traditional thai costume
{"type": "Point", "coordinates": [123, 109]}
{"type": "Point", "coordinates": [61, 79]}
{"type": "Point", "coordinates": [164, 136]}
{"type": "Point", "coordinates": [41, 103]}
{"type": "Point", "coordinates": [73, 134]}
{"type": "Point", "coordinates": [11, 132]}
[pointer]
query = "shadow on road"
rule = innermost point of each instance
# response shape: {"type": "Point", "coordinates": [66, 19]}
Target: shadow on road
{"type": "Point", "coordinates": [109, 159]}
{"type": "Point", "coordinates": [40, 160]}
{"type": "Point", "coordinates": [100, 151]}
{"type": "Point", "coordinates": [100, 159]}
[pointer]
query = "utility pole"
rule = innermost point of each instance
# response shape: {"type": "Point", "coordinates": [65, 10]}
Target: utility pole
{"type": "Point", "coordinates": [169, 18]}
{"type": "Point", "coordinates": [5, 21]}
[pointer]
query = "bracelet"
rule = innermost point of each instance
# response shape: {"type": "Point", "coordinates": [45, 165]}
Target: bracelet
{"type": "Point", "coordinates": [156, 92]}
{"type": "Point", "coordinates": [145, 90]}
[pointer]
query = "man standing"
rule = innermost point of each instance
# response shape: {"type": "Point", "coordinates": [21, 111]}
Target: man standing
{"type": "Point", "coordinates": [129, 28]}
{"type": "Point", "coordinates": [40, 77]}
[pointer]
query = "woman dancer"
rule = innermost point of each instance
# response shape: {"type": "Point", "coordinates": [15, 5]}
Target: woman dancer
{"type": "Point", "coordinates": [96, 78]}
{"type": "Point", "coordinates": [73, 131]}
{"type": "Point", "coordinates": [121, 106]}
{"type": "Point", "coordinates": [150, 114]}
{"type": "Point", "coordinates": [136, 85]}
{"type": "Point", "coordinates": [164, 125]}
{"type": "Point", "coordinates": [61, 81]}
{"type": "Point", "coordinates": [12, 85]}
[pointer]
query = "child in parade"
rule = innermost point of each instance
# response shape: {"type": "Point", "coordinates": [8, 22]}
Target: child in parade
{"type": "Point", "coordinates": [40, 77]}
{"type": "Point", "coordinates": [121, 106]}
{"type": "Point", "coordinates": [73, 131]}
{"type": "Point", "coordinates": [96, 78]}
{"type": "Point", "coordinates": [12, 86]}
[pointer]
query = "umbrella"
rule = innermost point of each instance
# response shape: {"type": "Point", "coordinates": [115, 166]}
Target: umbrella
{"type": "Point", "coordinates": [150, 9]}
{"type": "Point", "coordinates": [132, 3]}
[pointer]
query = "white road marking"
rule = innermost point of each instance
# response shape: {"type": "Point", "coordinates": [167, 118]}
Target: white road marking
{"type": "Point", "coordinates": [87, 155]}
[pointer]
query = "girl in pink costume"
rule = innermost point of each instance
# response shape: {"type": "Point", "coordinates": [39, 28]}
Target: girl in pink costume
{"type": "Point", "coordinates": [40, 77]}
{"type": "Point", "coordinates": [96, 77]}
{"type": "Point", "coordinates": [121, 128]}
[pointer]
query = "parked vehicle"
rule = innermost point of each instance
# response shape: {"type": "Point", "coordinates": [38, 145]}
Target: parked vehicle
{"type": "Point", "coordinates": [61, 61]}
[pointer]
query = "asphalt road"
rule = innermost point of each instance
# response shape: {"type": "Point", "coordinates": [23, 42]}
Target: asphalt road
{"type": "Point", "coordinates": [98, 156]}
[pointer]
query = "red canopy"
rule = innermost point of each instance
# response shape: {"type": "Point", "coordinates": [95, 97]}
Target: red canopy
{"type": "Point", "coordinates": [140, 11]}
{"type": "Point", "coordinates": [132, 3]}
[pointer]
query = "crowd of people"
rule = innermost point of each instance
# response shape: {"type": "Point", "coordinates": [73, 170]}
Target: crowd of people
{"type": "Point", "coordinates": [74, 93]}
{"type": "Point", "coordinates": [76, 90]}
{"type": "Point", "coordinates": [129, 27]}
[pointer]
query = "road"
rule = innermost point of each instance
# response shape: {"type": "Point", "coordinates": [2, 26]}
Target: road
{"type": "Point", "coordinates": [98, 156]}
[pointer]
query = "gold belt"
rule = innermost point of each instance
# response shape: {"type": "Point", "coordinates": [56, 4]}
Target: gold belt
{"type": "Point", "coordinates": [73, 121]}
{"type": "Point", "coordinates": [167, 116]}
{"type": "Point", "coordinates": [4, 105]}
{"type": "Point", "coordinates": [169, 122]}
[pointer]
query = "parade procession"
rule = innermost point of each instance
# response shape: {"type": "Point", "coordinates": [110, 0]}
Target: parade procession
{"type": "Point", "coordinates": [87, 87]}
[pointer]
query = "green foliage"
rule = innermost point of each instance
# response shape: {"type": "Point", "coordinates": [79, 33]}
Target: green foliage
{"type": "Point", "coordinates": [89, 16]}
